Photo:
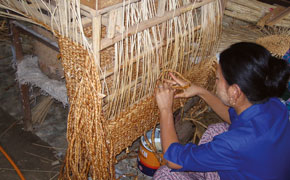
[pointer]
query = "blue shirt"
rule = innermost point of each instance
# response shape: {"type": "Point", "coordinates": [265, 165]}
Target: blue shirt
{"type": "Point", "coordinates": [256, 146]}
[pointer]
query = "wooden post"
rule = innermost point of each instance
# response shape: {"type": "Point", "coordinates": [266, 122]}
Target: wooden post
{"type": "Point", "coordinates": [96, 36]}
{"type": "Point", "coordinates": [24, 89]}
{"type": "Point", "coordinates": [160, 12]}
{"type": "Point", "coordinates": [112, 23]}
{"type": "Point", "coordinates": [161, 7]}
{"type": "Point", "coordinates": [120, 20]}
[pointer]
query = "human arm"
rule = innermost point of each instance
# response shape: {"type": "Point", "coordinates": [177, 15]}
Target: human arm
{"type": "Point", "coordinates": [206, 157]}
{"type": "Point", "coordinates": [216, 104]}
{"type": "Point", "coordinates": [164, 98]}
{"type": "Point", "coordinates": [216, 155]}
{"type": "Point", "coordinates": [213, 101]}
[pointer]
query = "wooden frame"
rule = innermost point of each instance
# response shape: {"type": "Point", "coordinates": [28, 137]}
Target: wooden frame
{"type": "Point", "coordinates": [16, 29]}
{"type": "Point", "coordinates": [173, 37]}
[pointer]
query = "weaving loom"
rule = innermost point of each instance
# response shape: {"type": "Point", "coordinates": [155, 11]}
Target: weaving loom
{"type": "Point", "coordinates": [112, 56]}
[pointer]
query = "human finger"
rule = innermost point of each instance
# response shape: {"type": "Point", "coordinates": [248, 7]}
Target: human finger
{"type": "Point", "coordinates": [172, 82]}
{"type": "Point", "coordinates": [165, 85]}
{"type": "Point", "coordinates": [177, 80]}
{"type": "Point", "coordinates": [158, 83]}
{"type": "Point", "coordinates": [180, 95]}
{"type": "Point", "coordinates": [156, 90]}
{"type": "Point", "coordinates": [160, 86]}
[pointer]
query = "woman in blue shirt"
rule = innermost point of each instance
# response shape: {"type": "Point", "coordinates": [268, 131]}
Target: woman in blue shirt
{"type": "Point", "coordinates": [257, 143]}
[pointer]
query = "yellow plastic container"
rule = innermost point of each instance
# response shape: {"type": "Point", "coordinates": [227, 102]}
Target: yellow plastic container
{"type": "Point", "coordinates": [147, 160]}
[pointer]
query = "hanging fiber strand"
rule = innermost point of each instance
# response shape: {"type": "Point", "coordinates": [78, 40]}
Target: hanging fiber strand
{"type": "Point", "coordinates": [111, 73]}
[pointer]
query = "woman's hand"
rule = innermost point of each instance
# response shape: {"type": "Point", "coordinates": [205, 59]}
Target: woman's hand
{"type": "Point", "coordinates": [192, 90]}
{"type": "Point", "coordinates": [164, 97]}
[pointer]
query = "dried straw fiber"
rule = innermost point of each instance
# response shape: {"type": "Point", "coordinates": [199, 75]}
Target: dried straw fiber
{"type": "Point", "coordinates": [278, 45]}
{"type": "Point", "coordinates": [177, 37]}
{"type": "Point", "coordinates": [86, 130]}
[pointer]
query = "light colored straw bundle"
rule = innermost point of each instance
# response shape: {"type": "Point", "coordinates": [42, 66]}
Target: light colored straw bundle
{"type": "Point", "coordinates": [278, 45]}
{"type": "Point", "coordinates": [40, 111]}
{"type": "Point", "coordinates": [89, 148]}
{"type": "Point", "coordinates": [235, 33]}
{"type": "Point", "coordinates": [276, 40]}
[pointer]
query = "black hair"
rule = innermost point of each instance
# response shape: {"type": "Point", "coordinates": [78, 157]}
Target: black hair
{"type": "Point", "coordinates": [253, 68]}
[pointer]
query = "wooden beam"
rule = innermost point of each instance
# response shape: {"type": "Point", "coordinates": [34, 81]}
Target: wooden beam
{"type": "Point", "coordinates": [278, 16]}
{"type": "Point", "coordinates": [160, 12]}
{"type": "Point", "coordinates": [161, 7]}
{"type": "Point", "coordinates": [279, 2]}
{"type": "Point", "coordinates": [24, 89]}
{"type": "Point", "coordinates": [107, 9]}
{"type": "Point", "coordinates": [120, 20]}
{"type": "Point", "coordinates": [112, 23]}
{"type": "Point", "coordinates": [151, 22]}
{"type": "Point", "coordinates": [87, 21]}
{"type": "Point", "coordinates": [274, 16]}
{"type": "Point", "coordinates": [90, 3]}
{"type": "Point", "coordinates": [96, 37]}
{"type": "Point", "coordinates": [88, 9]}
{"type": "Point", "coordinates": [53, 45]}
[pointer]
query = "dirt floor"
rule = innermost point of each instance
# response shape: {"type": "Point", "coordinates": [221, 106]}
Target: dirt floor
{"type": "Point", "coordinates": [39, 154]}
{"type": "Point", "coordinates": [34, 157]}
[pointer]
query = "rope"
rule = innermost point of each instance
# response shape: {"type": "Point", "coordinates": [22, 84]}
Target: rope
{"type": "Point", "coordinates": [12, 163]}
